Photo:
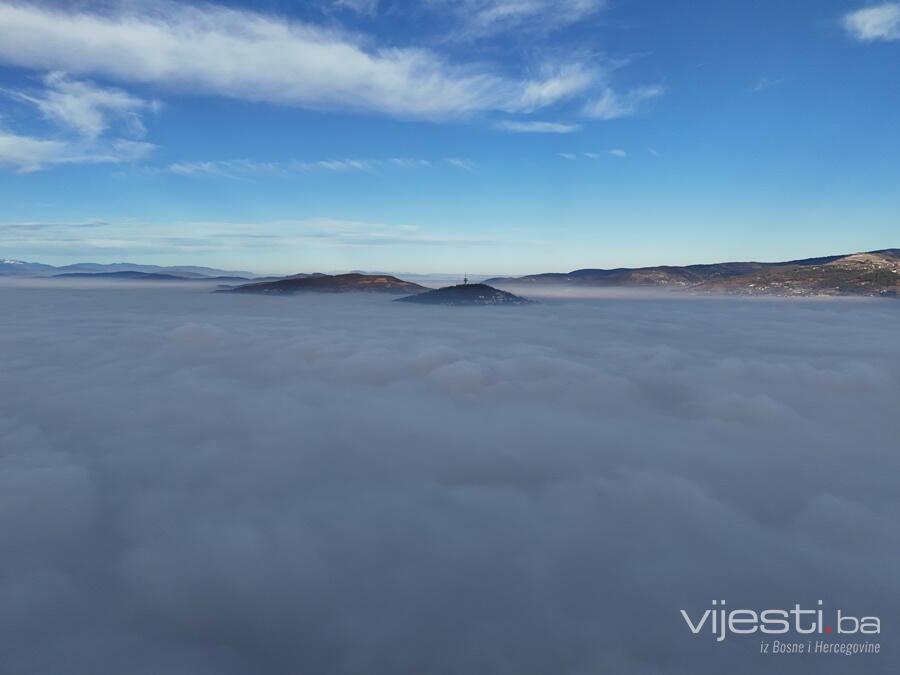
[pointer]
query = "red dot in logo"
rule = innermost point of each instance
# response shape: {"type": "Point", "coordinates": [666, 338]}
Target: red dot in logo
{"type": "Point", "coordinates": [828, 630]}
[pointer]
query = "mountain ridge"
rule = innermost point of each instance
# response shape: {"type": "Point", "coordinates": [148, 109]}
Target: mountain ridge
{"type": "Point", "coordinates": [466, 294]}
{"type": "Point", "coordinates": [872, 273]}
{"type": "Point", "coordinates": [12, 267]}
{"type": "Point", "coordinates": [329, 283]}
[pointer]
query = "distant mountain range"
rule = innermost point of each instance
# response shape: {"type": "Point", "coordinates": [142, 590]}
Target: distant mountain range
{"type": "Point", "coordinates": [329, 283]}
{"type": "Point", "coordinates": [152, 276]}
{"type": "Point", "coordinates": [876, 273]}
{"type": "Point", "coordinates": [149, 276]}
{"type": "Point", "coordinates": [31, 269]}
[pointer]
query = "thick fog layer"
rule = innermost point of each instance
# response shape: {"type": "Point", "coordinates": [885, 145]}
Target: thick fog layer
{"type": "Point", "coordinates": [209, 484]}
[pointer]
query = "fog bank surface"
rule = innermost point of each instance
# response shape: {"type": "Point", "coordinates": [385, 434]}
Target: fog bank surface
{"type": "Point", "coordinates": [194, 483]}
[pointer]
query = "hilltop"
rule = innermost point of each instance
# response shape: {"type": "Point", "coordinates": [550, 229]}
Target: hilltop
{"type": "Point", "coordinates": [867, 274]}
{"type": "Point", "coordinates": [876, 273]}
{"type": "Point", "coordinates": [466, 294]}
{"type": "Point", "coordinates": [330, 283]}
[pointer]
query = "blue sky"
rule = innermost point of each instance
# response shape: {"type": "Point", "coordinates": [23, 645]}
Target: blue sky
{"type": "Point", "coordinates": [495, 136]}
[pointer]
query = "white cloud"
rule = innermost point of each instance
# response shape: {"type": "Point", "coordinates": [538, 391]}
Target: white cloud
{"type": "Point", "coordinates": [483, 18]}
{"type": "Point", "coordinates": [613, 105]}
{"type": "Point", "coordinates": [568, 155]}
{"type": "Point", "coordinates": [214, 237]}
{"type": "Point", "coordinates": [557, 82]}
{"type": "Point", "coordinates": [537, 127]}
{"type": "Point", "coordinates": [409, 163]}
{"type": "Point", "coordinates": [231, 168]}
{"type": "Point", "coordinates": [618, 152]}
{"type": "Point", "coordinates": [879, 22]}
{"type": "Point", "coordinates": [26, 154]}
{"type": "Point", "coordinates": [83, 112]}
{"type": "Point", "coordinates": [86, 108]}
{"type": "Point", "coordinates": [764, 83]}
{"type": "Point", "coordinates": [460, 163]}
{"type": "Point", "coordinates": [252, 56]}
{"type": "Point", "coordinates": [234, 168]}
{"type": "Point", "coordinates": [365, 7]}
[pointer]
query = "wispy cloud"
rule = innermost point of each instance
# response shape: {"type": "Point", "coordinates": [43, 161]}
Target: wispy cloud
{"type": "Point", "coordinates": [878, 22]}
{"type": "Point", "coordinates": [29, 154]}
{"type": "Point", "coordinates": [85, 108]}
{"type": "Point", "coordinates": [240, 168]}
{"type": "Point", "coordinates": [213, 236]}
{"type": "Point", "coordinates": [408, 163]}
{"type": "Point", "coordinates": [557, 82]}
{"type": "Point", "coordinates": [764, 83]}
{"type": "Point", "coordinates": [43, 225]}
{"type": "Point", "coordinates": [364, 7]}
{"type": "Point", "coordinates": [460, 163]}
{"type": "Point", "coordinates": [484, 18]}
{"type": "Point", "coordinates": [613, 105]}
{"type": "Point", "coordinates": [258, 57]}
{"type": "Point", "coordinates": [231, 168]}
{"type": "Point", "coordinates": [537, 127]}
{"type": "Point", "coordinates": [572, 156]}
{"type": "Point", "coordinates": [26, 154]}
{"type": "Point", "coordinates": [83, 114]}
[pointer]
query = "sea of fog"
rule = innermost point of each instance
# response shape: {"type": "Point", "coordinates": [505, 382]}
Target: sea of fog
{"type": "Point", "coordinates": [200, 484]}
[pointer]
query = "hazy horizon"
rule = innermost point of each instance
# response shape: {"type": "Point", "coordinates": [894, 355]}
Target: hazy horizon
{"type": "Point", "coordinates": [442, 274]}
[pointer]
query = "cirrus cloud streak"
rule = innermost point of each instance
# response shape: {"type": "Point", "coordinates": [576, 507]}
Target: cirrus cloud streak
{"type": "Point", "coordinates": [257, 57]}
{"type": "Point", "coordinates": [878, 22]}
